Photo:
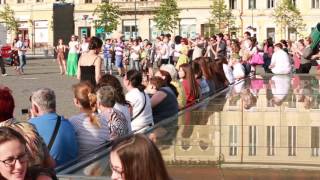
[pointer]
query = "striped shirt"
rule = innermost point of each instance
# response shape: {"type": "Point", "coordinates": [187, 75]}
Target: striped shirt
{"type": "Point", "coordinates": [88, 134]}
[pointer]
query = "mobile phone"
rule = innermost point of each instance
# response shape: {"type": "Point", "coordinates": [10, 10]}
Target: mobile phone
{"type": "Point", "coordinates": [24, 111]}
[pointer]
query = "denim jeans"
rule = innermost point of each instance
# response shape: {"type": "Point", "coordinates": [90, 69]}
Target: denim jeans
{"type": "Point", "coordinates": [3, 70]}
{"type": "Point", "coordinates": [107, 63]}
{"type": "Point", "coordinates": [136, 65]}
{"type": "Point", "coordinates": [22, 60]}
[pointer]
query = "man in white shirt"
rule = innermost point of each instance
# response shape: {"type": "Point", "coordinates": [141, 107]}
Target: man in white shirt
{"type": "Point", "coordinates": [21, 52]}
{"type": "Point", "coordinates": [165, 51]}
{"type": "Point", "coordinates": [280, 62]}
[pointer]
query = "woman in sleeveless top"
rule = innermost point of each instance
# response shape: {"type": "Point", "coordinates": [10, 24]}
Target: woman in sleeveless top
{"type": "Point", "coordinates": [60, 50]}
{"type": "Point", "coordinates": [89, 65]}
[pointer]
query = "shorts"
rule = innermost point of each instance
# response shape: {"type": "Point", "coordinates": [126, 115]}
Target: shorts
{"type": "Point", "coordinates": [118, 61]}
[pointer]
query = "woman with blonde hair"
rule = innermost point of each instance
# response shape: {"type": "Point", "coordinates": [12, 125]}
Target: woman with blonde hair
{"type": "Point", "coordinates": [91, 128]}
{"type": "Point", "coordinates": [137, 158]}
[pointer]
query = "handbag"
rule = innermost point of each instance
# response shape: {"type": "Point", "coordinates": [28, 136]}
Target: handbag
{"type": "Point", "coordinates": [256, 59]}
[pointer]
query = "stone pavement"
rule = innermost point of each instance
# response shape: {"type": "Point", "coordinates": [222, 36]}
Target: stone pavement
{"type": "Point", "coordinates": [40, 73]}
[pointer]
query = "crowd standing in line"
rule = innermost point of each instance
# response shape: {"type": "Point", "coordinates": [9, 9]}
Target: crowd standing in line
{"type": "Point", "coordinates": [158, 80]}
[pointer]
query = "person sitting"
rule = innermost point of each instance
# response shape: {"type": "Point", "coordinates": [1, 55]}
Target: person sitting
{"type": "Point", "coordinates": [139, 101]}
{"type": "Point", "coordinates": [238, 69]}
{"type": "Point", "coordinates": [121, 104]}
{"type": "Point", "coordinates": [91, 128]}
{"type": "Point", "coordinates": [280, 62]}
{"type": "Point", "coordinates": [13, 154]}
{"type": "Point", "coordinates": [56, 131]}
{"type": "Point", "coordinates": [38, 152]}
{"type": "Point", "coordinates": [137, 157]}
{"type": "Point", "coordinates": [117, 124]}
{"type": "Point", "coordinates": [163, 101]}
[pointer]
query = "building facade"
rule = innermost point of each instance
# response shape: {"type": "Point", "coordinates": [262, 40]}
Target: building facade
{"type": "Point", "coordinates": [35, 18]}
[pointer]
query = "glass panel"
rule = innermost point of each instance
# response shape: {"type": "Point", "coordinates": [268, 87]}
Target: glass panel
{"type": "Point", "coordinates": [220, 131]}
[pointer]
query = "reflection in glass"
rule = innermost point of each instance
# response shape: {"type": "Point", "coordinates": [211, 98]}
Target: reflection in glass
{"type": "Point", "coordinates": [252, 140]}
{"type": "Point", "coordinates": [315, 133]}
{"type": "Point", "coordinates": [292, 144]}
{"type": "Point", "coordinates": [270, 140]}
{"type": "Point", "coordinates": [233, 141]}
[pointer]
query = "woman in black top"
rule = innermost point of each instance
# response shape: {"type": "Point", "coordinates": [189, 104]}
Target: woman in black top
{"type": "Point", "coordinates": [89, 64]}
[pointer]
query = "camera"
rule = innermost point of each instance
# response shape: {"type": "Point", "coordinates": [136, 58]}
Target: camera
{"type": "Point", "coordinates": [24, 111]}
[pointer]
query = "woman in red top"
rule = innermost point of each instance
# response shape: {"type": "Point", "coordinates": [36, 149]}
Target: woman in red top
{"type": "Point", "coordinates": [189, 83]}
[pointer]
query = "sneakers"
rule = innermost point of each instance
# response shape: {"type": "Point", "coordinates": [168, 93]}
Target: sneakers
{"type": "Point", "coordinates": [4, 75]}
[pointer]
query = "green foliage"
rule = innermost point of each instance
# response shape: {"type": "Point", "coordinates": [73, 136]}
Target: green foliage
{"type": "Point", "coordinates": [287, 15]}
{"type": "Point", "coordinates": [109, 16]}
{"type": "Point", "coordinates": [221, 16]}
{"type": "Point", "coordinates": [167, 16]}
{"type": "Point", "coordinates": [7, 16]}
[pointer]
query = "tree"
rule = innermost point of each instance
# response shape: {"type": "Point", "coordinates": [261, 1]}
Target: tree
{"type": "Point", "coordinates": [221, 16]}
{"type": "Point", "coordinates": [287, 15]}
{"type": "Point", "coordinates": [7, 15]}
{"type": "Point", "coordinates": [167, 16]}
{"type": "Point", "coordinates": [108, 16]}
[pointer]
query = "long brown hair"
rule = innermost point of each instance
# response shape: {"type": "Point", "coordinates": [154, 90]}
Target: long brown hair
{"type": "Point", "coordinates": [140, 158]}
{"type": "Point", "coordinates": [203, 62]}
{"type": "Point", "coordinates": [84, 93]}
{"type": "Point", "coordinates": [189, 76]}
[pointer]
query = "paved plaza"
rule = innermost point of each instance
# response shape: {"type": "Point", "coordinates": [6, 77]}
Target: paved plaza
{"type": "Point", "coordinates": [40, 73]}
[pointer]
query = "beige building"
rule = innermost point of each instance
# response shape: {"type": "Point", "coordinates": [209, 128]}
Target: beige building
{"type": "Point", "coordinates": [35, 18]}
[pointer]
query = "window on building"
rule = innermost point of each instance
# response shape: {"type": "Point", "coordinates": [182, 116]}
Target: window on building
{"type": "Point", "coordinates": [252, 140]}
{"type": "Point", "coordinates": [252, 4]}
{"type": "Point", "coordinates": [20, 1]}
{"type": "Point", "coordinates": [271, 34]}
{"type": "Point", "coordinates": [315, 4]}
{"type": "Point", "coordinates": [294, 2]}
{"type": "Point", "coordinates": [270, 140]}
{"type": "Point", "coordinates": [2, 1]}
{"type": "Point", "coordinates": [233, 4]}
{"type": "Point", "coordinates": [270, 4]}
{"type": "Point", "coordinates": [315, 141]}
{"type": "Point", "coordinates": [233, 141]}
{"type": "Point", "coordinates": [87, 1]}
{"type": "Point", "coordinates": [292, 140]}
{"type": "Point", "coordinates": [39, 0]}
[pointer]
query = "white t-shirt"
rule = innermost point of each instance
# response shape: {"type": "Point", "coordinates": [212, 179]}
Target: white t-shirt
{"type": "Point", "coordinates": [125, 111]}
{"type": "Point", "coordinates": [89, 135]}
{"type": "Point", "coordinates": [135, 52]}
{"type": "Point", "coordinates": [228, 73]}
{"type": "Point", "coordinates": [165, 51]}
{"type": "Point", "coordinates": [281, 62]}
{"type": "Point", "coordinates": [20, 45]}
{"type": "Point", "coordinates": [84, 47]}
{"type": "Point", "coordinates": [238, 71]}
{"type": "Point", "coordinates": [73, 46]}
{"type": "Point", "coordinates": [177, 48]}
{"type": "Point", "coordinates": [137, 99]}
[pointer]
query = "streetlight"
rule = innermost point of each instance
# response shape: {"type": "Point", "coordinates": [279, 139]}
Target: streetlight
{"type": "Point", "coordinates": [251, 4]}
{"type": "Point", "coordinates": [135, 18]}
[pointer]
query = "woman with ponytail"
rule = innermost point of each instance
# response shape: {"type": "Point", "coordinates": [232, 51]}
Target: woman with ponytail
{"type": "Point", "coordinates": [91, 128]}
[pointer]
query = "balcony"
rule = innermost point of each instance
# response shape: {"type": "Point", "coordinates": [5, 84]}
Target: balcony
{"type": "Point", "coordinates": [140, 5]}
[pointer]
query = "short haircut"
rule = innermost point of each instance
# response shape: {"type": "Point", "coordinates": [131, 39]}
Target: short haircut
{"type": "Point", "coordinates": [106, 95]}
{"type": "Point", "coordinates": [45, 98]}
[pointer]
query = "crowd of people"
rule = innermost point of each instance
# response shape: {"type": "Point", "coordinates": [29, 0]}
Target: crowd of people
{"type": "Point", "coordinates": [158, 80]}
